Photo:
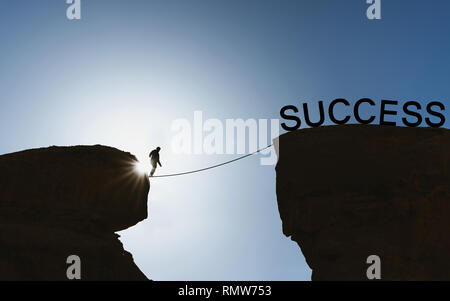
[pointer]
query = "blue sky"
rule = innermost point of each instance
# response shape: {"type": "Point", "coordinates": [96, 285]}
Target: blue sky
{"type": "Point", "coordinates": [128, 68]}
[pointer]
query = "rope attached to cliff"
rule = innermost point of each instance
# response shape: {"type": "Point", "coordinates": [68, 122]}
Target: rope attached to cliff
{"type": "Point", "coordinates": [211, 167]}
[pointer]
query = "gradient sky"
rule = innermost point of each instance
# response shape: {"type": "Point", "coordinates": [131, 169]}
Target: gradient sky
{"type": "Point", "coordinates": [128, 68]}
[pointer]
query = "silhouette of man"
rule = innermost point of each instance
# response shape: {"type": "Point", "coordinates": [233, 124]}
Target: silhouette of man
{"type": "Point", "coordinates": [154, 159]}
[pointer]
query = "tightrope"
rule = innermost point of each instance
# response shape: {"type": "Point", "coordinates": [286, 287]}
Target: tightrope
{"type": "Point", "coordinates": [211, 167]}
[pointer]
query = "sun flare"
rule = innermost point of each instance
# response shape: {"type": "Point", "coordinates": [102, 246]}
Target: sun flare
{"type": "Point", "coordinates": [140, 168]}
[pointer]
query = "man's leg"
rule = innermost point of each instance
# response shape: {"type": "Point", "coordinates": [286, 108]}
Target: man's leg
{"type": "Point", "coordinates": [153, 171]}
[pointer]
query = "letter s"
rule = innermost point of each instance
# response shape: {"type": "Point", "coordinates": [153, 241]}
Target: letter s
{"type": "Point", "coordinates": [412, 113]}
{"type": "Point", "coordinates": [297, 120]}
{"type": "Point", "coordinates": [434, 113]}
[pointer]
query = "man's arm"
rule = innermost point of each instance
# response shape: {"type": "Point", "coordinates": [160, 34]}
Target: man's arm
{"type": "Point", "coordinates": [159, 164]}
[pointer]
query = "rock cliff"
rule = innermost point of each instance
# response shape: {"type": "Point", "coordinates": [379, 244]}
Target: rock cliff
{"type": "Point", "coordinates": [62, 201]}
{"type": "Point", "coordinates": [347, 192]}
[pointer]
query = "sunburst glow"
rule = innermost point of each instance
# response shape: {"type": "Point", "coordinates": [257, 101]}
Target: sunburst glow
{"type": "Point", "coordinates": [140, 168]}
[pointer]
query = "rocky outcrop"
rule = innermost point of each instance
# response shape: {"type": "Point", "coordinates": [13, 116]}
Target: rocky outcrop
{"type": "Point", "coordinates": [62, 201]}
{"type": "Point", "coordinates": [347, 192]}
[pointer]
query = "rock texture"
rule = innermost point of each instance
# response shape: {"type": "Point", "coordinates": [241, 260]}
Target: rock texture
{"type": "Point", "coordinates": [63, 201]}
{"type": "Point", "coordinates": [347, 192]}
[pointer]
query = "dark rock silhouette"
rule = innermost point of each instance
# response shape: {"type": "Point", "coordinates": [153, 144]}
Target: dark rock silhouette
{"type": "Point", "coordinates": [62, 201]}
{"type": "Point", "coordinates": [347, 192]}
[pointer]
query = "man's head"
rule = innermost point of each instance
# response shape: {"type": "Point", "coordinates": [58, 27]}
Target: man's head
{"type": "Point", "coordinates": [158, 149]}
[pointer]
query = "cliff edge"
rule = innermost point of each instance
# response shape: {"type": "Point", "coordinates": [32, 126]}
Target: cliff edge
{"type": "Point", "coordinates": [348, 192]}
{"type": "Point", "coordinates": [62, 201]}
